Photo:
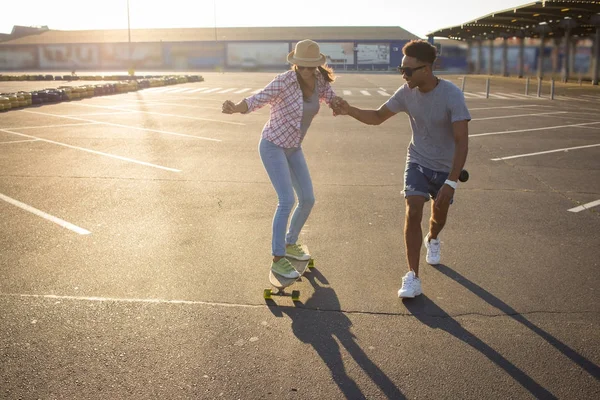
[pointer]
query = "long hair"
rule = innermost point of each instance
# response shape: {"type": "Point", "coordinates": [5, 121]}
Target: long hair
{"type": "Point", "coordinates": [324, 69]}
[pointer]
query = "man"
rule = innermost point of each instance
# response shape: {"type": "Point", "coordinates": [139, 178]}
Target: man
{"type": "Point", "coordinates": [436, 154]}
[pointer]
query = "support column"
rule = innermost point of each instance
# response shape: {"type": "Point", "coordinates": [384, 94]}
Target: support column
{"type": "Point", "coordinates": [504, 56]}
{"type": "Point", "coordinates": [596, 57]}
{"type": "Point", "coordinates": [566, 64]}
{"type": "Point", "coordinates": [521, 61]}
{"type": "Point", "coordinates": [556, 66]}
{"type": "Point", "coordinates": [540, 61]}
{"type": "Point", "coordinates": [491, 58]}
{"type": "Point", "coordinates": [479, 60]}
{"type": "Point", "coordinates": [469, 57]}
{"type": "Point", "coordinates": [573, 54]}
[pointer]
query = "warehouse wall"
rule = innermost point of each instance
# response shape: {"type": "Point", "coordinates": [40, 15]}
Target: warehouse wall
{"type": "Point", "coordinates": [380, 55]}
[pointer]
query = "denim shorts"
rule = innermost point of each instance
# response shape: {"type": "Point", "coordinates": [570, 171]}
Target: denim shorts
{"type": "Point", "coordinates": [421, 181]}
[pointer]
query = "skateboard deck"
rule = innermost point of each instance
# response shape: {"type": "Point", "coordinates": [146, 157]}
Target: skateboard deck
{"type": "Point", "coordinates": [281, 282]}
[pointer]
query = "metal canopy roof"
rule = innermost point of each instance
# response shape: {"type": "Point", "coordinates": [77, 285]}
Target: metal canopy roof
{"type": "Point", "coordinates": [550, 18]}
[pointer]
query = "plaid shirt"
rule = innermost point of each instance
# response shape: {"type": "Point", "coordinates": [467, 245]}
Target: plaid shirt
{"type": "Point", "coordinates": [285, 97]}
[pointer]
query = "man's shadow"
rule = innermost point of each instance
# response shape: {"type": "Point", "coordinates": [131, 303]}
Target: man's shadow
{"type": "Point", "coordinates": [492, 300]}
{"type": "Point", "coordinates": [429, 313]}
{"type": "Point", "coordinates": [319, 322]}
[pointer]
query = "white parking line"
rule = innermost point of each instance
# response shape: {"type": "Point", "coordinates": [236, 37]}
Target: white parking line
{"type": "Point", "coordinates": [347, 92]}
{"type": "Point", "coordinates": [128, 300]}
{"type": "Point", "coordinates": [255, 91]}
{"type": "Point", "coordinates": [365, 93]}
{"type": "Point", "coordinates": [534, 129]}
{"type": "Point", "coordinates": [242, 90]}
{"type": "Point", "coordinates": [227, 90]}
{"type": "Point", "coordinates": [197, 90]}
{"type": "Point", "coordinates": [589, 127]}
{"type": "Point", "coordinates": [494, 96]}
{"type": "Point", "coordinates": [518, 115]}
{"type": "Point", "coordinates": [212, 90]}
{"type": "Point", "coordinates": [161, 114]}
{"type": "Point", "coordinates": [572, 118]}
{"type": "Point", "coordinates": [19, 141]}
{"type": "Point", "coordinates": [129, 126]}
{"type": "Point", "coordinates": [156, 89]}
{"type": "Point", "coordinates": [170, 89]}
{"type": "Point", "coordinates": [49, 126]}
{"type": "Point", "coordinates": [573, 98]}
{"type": "Point", "coordinates": [383, 93]}
{"type": "Point", "coordinates": [586, 206]}
{"type": "Point", "coordinates": [123, 126]}
{"type": "Point", "coordinates": [519, 106]}
{"type": "Point", "coordinates": [180, 90]}
{"type": "Point", "coordinates": [128, 97]}
{"type": "Point", "coordinates": [44, 215]}
{"type": "Point", "coordinates": [469, 95]}
{"type": "Point", "coordinates": [161, 89]}
{"type": "Point", "coordinates": [94, 151]}
{"type": "Point", "coordinates": [94, 114]}
{"type": "Point", "coordinates": [566, 149]}
{"type": "Point", "coordinates": [162, 103]}
{"type": "Point", "coordinates": [515, 96]}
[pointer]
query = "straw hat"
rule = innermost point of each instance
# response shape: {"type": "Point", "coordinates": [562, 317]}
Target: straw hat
{"type": "Point", "coordinates": [307, 54]}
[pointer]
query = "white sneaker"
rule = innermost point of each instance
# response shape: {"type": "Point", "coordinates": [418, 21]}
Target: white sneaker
{"type": "Point", "coordinates": [433, 250]}
{"type": "Point", "coordinates": [411, 286]}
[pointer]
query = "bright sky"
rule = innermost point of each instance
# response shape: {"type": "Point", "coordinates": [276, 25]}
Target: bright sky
{"type": "Point", "coordinates": [417, 16]}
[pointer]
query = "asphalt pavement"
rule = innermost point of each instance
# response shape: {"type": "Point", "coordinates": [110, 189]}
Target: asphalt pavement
{"type": "Point", "coordinates": [135, 248]}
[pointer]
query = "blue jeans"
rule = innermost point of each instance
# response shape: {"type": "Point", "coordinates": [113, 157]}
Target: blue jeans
{"type": "Point", "coordinates": [288, 172]}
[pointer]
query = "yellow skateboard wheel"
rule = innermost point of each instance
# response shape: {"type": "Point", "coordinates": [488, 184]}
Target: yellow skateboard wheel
{"type": "Point", "coordinates": [295, 295]}
{"type": "Point", "coordinates": [311, 263]}
{"type": "Point", "coordinates": [267, 294]}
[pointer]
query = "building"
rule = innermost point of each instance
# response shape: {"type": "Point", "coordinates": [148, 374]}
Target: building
{"type": "Point", "coordinates": [351, 48]}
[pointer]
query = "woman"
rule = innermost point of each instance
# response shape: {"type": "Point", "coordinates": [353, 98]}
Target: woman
{"type": "Point", "coordinates": [294, 98]}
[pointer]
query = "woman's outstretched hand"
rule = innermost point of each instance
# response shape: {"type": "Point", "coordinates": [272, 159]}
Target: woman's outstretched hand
{"type": "Point", "coordinates": [228, 107]}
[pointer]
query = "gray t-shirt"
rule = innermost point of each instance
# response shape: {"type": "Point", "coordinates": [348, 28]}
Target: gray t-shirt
{"type": "Point", "coordinates": [431, 116]}
{"type": "Point", "coordinates": [309, 110]}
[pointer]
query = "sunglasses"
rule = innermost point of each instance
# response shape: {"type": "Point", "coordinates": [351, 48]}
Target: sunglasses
{"type": "Point", "coordinates": [303, 68]}
{"type": "Point", "coordinates": [408, 71]}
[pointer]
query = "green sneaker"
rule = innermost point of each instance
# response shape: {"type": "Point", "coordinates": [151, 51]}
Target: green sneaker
{"type": "Point", "coordinates": [297, 252]}
{"type": "Point", "coordinates": [284, 268]}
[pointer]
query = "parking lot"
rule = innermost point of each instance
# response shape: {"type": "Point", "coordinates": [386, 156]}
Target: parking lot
{"type": "Point", "coordinates": [135, 248]}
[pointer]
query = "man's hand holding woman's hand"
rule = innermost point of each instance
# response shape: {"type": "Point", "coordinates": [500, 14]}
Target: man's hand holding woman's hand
{"type": "Point", "coordinates": [339, 106]}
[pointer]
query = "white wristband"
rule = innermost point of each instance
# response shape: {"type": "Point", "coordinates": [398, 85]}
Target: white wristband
{"type": "Point", "coordinates": [452, 184]}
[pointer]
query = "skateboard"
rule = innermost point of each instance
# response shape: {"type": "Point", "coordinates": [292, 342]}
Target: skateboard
{"type": "Point", "coordinates": [280, 282]}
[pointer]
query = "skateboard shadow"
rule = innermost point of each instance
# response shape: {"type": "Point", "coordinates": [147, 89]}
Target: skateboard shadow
{"type": "Point", "coordinates": [312, 275]}
{"type": "Point", "coordinates": [584, 363]}
{"type": "Point", "coordinates": [319, 322]}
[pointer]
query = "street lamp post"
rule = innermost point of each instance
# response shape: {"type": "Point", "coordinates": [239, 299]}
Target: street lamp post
{"type": "Point", "coordinates": [130, 70]}
{"type": "Point", "coordinates": [215, 17]}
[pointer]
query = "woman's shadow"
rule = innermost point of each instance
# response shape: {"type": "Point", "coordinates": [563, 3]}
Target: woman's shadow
{"type": "Point", "coordinates": [319, 322]}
